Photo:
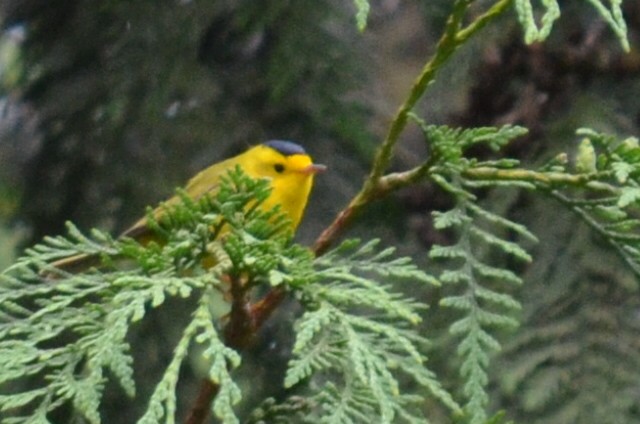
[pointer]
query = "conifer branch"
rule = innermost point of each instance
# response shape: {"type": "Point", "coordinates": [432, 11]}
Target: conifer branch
{"type": "Point", "coordinates": [377, 185]}
{"type": "Point", "coordinates": [366, 354]}
{"type": "Point", "coordinates": [482, 307]}
{"type": "Point", "coordinates": [482, 20]}
{"type": "Point", "coordinates": [543, 179]}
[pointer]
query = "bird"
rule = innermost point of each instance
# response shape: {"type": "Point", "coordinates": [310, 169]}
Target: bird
{"type": "Point", "coordinates": [285, 164]}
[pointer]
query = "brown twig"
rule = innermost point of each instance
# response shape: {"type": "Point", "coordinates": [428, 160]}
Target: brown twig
{"type": "Point", "coordinates": [241, 328]}
{"type": "Point", "coordinates": [342, 220]}
{"type": "Point", "coordinates": [238, 334]}
{"type": "Point", "coordinates": [201, 407]}
{"type": "Point", "coordinates": [262, 310]}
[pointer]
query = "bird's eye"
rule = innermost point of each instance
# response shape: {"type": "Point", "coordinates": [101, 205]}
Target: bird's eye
{"type": "Point", "coordinates": [279, 168]}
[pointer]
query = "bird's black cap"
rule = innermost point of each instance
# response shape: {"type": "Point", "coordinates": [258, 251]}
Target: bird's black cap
{"type": "Point", "coordinates": [286, 148]}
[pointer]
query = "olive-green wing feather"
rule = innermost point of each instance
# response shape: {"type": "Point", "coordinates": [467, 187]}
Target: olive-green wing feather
{"type": "Point", "coordinates": [205, 182]}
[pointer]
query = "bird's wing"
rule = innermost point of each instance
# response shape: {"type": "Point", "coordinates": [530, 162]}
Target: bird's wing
{"type": "Point", "coordinates": [205, 182]}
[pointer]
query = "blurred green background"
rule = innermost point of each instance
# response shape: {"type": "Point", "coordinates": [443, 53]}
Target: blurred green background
{"type": "Point", "coordinates": [106, 107]}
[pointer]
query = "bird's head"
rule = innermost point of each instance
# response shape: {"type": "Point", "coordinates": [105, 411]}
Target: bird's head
{"type": "Point", "coordinates": [283, 160]}
{"type": "Point", "coordinates": [290, 170]}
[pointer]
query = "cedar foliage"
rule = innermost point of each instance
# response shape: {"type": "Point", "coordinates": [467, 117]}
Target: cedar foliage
{"type": "Point", "coordinates": [95, 309]}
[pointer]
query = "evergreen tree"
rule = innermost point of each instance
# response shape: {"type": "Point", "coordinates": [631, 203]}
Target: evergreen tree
{"type": "Point", "coordinates": [364, 348]}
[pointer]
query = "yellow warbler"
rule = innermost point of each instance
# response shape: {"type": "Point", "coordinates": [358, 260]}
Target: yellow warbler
{"type": "Point", "coordinates": [286, 165]}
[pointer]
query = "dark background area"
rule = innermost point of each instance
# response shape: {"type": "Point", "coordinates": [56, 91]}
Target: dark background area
{"type": "Point", "coordinates": [106, 107]}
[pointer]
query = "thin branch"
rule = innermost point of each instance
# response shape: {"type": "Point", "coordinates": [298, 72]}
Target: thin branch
{"type": "Point", "coordinates": [238, 334]}
{"type": "Point", "coordinates": [481, 21]}
{"type": "Point", "coordinates": [241, 328]}
{"type": "Point", "coordinates": [262, 310]}
{"type": "Point", "coordinates": [384, 186]}
{"type": "Point", "coordinates": [377, 185]}
{"type": "Point", "coordinates": [201, 407]}
{"type": "Point", "coordinates": [342, 221]}
{"type": "Point", "coordinates": [546, 179]}
{"type": "Point", "coordinates": [446, 46]}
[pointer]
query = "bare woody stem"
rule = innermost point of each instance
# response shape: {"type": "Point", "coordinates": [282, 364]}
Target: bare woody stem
{"type": "Point", "coordinates": [238, 334]}
{"type": "Point", "coordinates": [202, 405]}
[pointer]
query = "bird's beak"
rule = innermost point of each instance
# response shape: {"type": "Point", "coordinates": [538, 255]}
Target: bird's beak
{"type": "Point", "coordinates": [314, 168]}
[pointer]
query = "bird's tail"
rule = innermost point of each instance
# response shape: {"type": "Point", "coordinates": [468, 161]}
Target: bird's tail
{"type": "Point", "coordinates": [73, 264]}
